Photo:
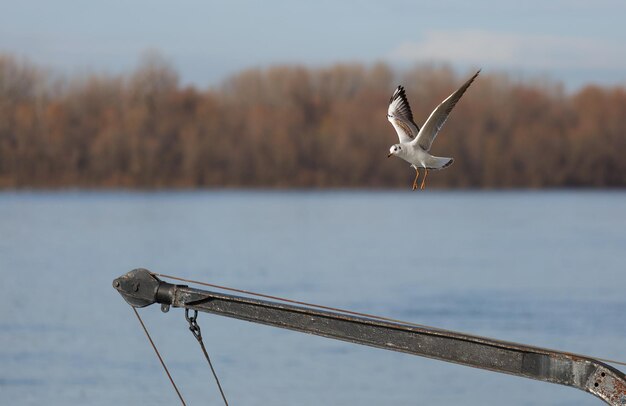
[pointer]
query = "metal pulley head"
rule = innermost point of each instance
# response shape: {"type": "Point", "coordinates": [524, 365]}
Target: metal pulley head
{"type": "Point", "coordinates": [138, 287]}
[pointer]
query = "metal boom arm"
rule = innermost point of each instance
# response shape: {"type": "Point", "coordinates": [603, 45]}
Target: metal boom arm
{"type": "Point", "coordinates": [140, 288]}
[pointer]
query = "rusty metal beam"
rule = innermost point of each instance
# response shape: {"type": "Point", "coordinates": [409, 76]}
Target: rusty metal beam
{"type": "Point", "coordinates": [140, 288]}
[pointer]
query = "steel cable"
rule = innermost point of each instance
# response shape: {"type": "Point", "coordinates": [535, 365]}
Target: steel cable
{"type": "Point", "coordinates": [159, 355]}
{"type": "Point", "coordinates": [370, 316]}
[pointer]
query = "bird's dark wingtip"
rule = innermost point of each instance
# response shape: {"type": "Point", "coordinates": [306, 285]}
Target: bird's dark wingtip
{"type": "Point", "coordinates": [399, 92]}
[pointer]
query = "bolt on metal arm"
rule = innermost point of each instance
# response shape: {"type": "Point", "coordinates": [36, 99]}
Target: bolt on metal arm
{"type": "Point", "coordinates": [140, 288]}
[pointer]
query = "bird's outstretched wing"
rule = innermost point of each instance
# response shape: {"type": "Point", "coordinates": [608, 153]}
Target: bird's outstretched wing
{"type": "Point", "coordinates": [400, 116]}
{"type": "Point", "coordinates": [435, 121]}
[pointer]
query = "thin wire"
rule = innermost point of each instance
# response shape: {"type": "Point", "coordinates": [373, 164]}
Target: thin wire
{"type": "Point", "coordinates": [159, 355]}
{"type": "Point", "coordinates": [213, 370]}
{"type": "Point", "coordinates": [371, 316]}
{"type": "Point", "coordinates": [282, 299]}
{"type": "Point", "coordinates": [197, 333]}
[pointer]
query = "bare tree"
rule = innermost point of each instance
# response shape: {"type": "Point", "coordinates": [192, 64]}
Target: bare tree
{"type": "Point", "coordinates": [292, 126]}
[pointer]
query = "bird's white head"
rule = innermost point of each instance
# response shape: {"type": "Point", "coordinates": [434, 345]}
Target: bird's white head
{"type": "Point", "coordinates": [395, 150]}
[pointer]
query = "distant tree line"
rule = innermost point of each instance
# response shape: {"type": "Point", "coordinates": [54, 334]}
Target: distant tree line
{"type": "Point", "coordinates": [291, 126]}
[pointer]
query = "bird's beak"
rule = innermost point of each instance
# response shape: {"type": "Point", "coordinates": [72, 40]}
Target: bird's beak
{"type": "Point", "coordinates": [390, 154]}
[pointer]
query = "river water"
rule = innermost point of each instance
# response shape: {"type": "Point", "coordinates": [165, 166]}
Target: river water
{"type": "Point", "coordinates": [542, 268]}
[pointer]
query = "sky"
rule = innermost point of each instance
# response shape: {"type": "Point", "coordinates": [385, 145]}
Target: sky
{"type": "Point", "coordinates": [569, 41]}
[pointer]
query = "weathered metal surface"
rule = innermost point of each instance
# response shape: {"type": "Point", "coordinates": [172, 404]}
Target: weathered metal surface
{"type": "Point", "coordinates": [588, 374]}
{"type": "Point", "coordinates": [138, 287]}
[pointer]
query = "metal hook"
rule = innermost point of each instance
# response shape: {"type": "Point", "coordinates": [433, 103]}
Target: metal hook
{"type": "Point", "coordinates": [193, 318]}
{"type": "Point", "coordinates": [193, 324]}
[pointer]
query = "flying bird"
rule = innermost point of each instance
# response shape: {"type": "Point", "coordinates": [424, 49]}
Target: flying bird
{"type": "Point", "coordinates": [415, 143]}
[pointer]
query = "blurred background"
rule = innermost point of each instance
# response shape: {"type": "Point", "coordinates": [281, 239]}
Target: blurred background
{"type": "Point", "coordinates": [291, 95]}
{"type": "Point", "coordinates": [244, 144]}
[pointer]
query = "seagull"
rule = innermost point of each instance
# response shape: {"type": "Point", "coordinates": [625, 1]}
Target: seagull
{"type": "Point", "coordinates": [414, 143]}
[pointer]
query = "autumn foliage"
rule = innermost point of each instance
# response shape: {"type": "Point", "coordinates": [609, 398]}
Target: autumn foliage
{"type": "Point", "coordinates": [293, 126]}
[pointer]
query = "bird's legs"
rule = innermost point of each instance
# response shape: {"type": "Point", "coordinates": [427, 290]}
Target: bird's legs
{"type": "Point", "coordinates": [417, 174]}
{"type": "Point", "coordinates": [423, 179]}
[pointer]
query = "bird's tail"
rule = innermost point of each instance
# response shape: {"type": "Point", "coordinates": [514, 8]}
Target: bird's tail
{"type": "Point", "coordinates": [436, 163]}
